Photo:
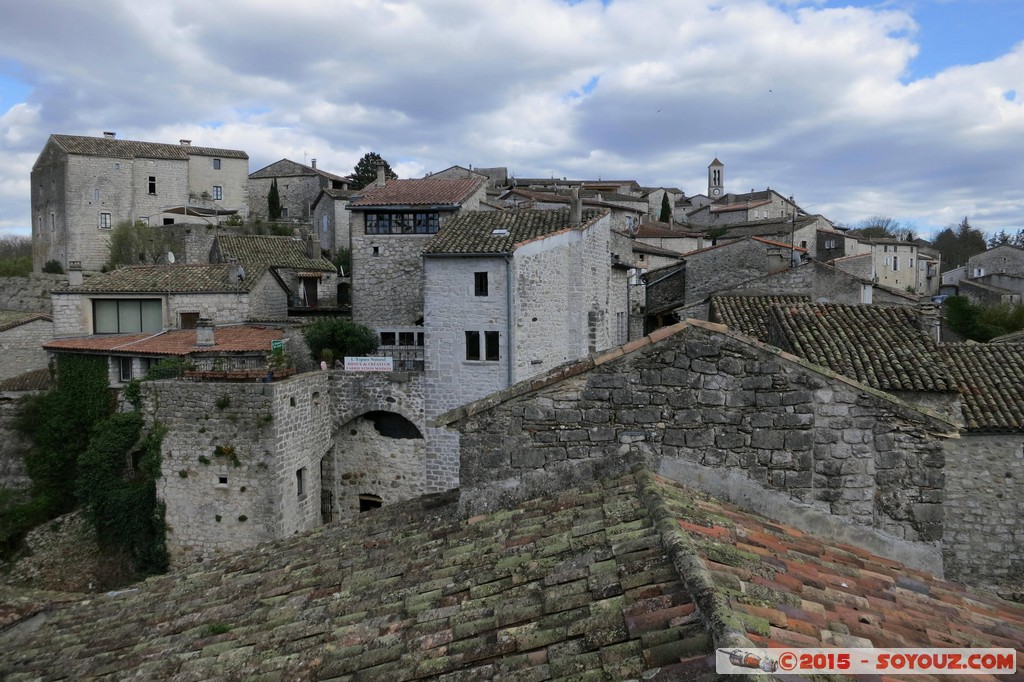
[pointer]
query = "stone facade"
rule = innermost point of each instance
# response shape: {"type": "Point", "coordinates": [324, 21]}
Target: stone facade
{"type": "Point", "coordinates": [241, 462]}
{"type": "Point", "coordinates": [729, 415]}
{"type": "Point", "coordinates": [984, 505]}
{"type": "Point", "coordinates": [13, 474]}
{"type": "Point", "coordinates": [298, 187]}
{"type": "Point", "coordinates": [83, 187]}
{"type": "Point", "coordinates": [21, 347]}
{"type": "Point", "coordinates": [730, 264]}
{"type": "Point", "coordinates": [564, 297]}
{"type": "Point", "coordinates": [332, 221]}
{"type": "Point", "coordinates": [1006, 259]}
{"type": "Point", "coordinates": [266, 300]}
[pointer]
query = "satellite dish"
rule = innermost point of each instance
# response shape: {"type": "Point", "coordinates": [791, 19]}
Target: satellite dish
{"type": "Point", "coordinates": [170, 257]}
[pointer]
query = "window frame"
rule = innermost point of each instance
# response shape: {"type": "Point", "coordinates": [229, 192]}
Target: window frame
{"type": "Point", "coordinates": [216, 164]}
{"type": "Point", "coordinates": [106, 220]}
{"type": "Point", "coordinates": [401, 222]}
{"type": "Point", "coordinates": [124, 361]}
{"type": "Point", "coordinates": [152, 184]}
{"type": "Point", "coordinates": [472, 346]}
{"type": "Point", "coordinates": [120, 315]}
{"type": "Point", "coordinates": [218, 193]}
{"type": "Point", "coordinates": [480, 284]}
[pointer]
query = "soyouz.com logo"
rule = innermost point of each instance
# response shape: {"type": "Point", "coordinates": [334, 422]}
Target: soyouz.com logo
{"type": "Point", "coordinates": [866, 661]}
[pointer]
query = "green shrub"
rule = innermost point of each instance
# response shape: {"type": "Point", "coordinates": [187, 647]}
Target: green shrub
{"type": "Point", "coordinates": [54, 267]}
{"type": "Point", "coordinates": [341, 336]}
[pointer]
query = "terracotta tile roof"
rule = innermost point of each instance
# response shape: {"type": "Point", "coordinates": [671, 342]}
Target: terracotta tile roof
{"type": "Point", "coordinates": [749, 315]}
{"type": "Point", "coordinates": [9, 319]}
{"type": "Point", "coordinates": [659, 230]}
{"type": "Point", "coordinates": [271, 251]}
{"type": "Point", "coordinates": [289, 168]}
{"type": "Point", "coordinates": [233, 339]}
{"type": "Point", "coordinates": [576, 585]}
{"type": "Point", "coordinates": [881, 347]}
{"type": "Point", "coordinates": [179, 278]}
{"type": "Point", "coordinates": [589, 198]}
{"type": "Point", "coordinates": [423, 192]}
{"type": "Point", "coordinates": [36, 380]}
{"type": "Point", "coordinates": [635, 577]}
{"type": "Point", "coordinates": [990, 378]}
{"type": "Point", "coordinates": [782, 587]}
{"type": "Point", "coordinates": [474, 231]}
{"type": "Point", "coordinates": [130, 149]}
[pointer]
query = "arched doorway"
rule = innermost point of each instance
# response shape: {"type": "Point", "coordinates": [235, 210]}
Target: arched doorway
{"type": "Point", "coordinates": [377, 458]}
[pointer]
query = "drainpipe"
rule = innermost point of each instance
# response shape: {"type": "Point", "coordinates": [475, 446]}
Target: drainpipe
{"type": "Point", "coordinates": [510, 360]}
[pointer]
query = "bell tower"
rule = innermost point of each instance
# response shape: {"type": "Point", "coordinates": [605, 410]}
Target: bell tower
{"type": "Point", "coordinates": [716, 179]}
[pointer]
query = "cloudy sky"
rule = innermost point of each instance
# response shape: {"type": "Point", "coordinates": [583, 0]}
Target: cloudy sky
{"type": "Point", "coordinates": [911, 109]}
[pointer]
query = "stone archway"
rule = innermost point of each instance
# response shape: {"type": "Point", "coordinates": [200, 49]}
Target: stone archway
{"type": "Point", "coordinates": [377, 453]}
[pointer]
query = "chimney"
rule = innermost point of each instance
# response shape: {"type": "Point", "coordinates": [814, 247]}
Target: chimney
{"type": "Point", "coordinates": [312, 247]}
{"type": "Point", "coordinates": [313, 161]}
{"type": "Point", "coordinates": [204, 332]}
{"type": "Point", "coordinates": [75, 273]}
{"type": "Point", "coordinates": [236, 273]}
{"type": "Point", "coordinates": [575, 208]}
{"type": "Point", "coordinates": [185, 143]}
{"type": "Point", "coordinates": [382, 179]}
{"type": "Point", "coordinates": [109, 134]}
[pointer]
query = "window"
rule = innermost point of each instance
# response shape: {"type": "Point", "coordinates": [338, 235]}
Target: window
{"type": "Point", "coordinates": [472, 345]}
{"type": "Point", "coordinates": [300, 482]}
{"type": "Point", "coordinates": [479, 283]}
{"type": "Point", "coordinates": [114, 316]}
{"type": "Point", "coordinates": [104, 221]}
{"type": "Point", "coordinates": [168, 221]}
{"type": "Point", "coordinates": [117, 166]}
{"type": "Point", "coordinates": [152, 184]}
{"type": "Point", "coordinates": [402, 223]}
{"type": "Point", "coordinates": [188, 320]}
{"type": "Point", "coordinates": [125, 369]}
{"type": "Point", "coordinates": [144, 219]}
{"type": "Point", "coordinates": [830, 243]}
{"type": "Point", "coordinates": [96, 195]}
{"type": "Point", "coordinates": [369, 502]}
{"type": "Point", "coordinates": [216, 164]}
{"type": "Point", "coordinates": [491, 346]}
{"type": "Point", "coordinates": [218, 192]}
{"type": "Point", "coordinates": [284, 212]}
{"type": "Point", "coordinates": [895, 263]}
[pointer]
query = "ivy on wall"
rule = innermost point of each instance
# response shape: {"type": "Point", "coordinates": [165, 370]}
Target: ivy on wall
{"type": "Point", "coordinates": [85, 455]}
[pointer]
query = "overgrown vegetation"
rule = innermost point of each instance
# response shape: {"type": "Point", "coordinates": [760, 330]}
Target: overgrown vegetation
{"type": "Point", "coordinates": [341, 336]}
{"type": "Point", "coordinates": [139, 244]}
{"type": "Point", "coordinates": [982, 323]}
{"type": "Point", "coordinates": [15, 255]}
{"type": "Point", "coordinates": [343, 261]}
{"type": "Point", "coordinates": [274, 202]}
{"type": "Point", "coordinates": [957, 243]}
{"type": "Point", "coordinates": [364, 173]}
{"type": "Point", "coordinates": [53, 267]}
{"type": "Point", "coordinates": [84, 455]}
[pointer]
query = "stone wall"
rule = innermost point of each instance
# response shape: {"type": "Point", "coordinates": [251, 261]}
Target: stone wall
{"type": "Point", "coordinates": [711, 407]}
{"type": "Point", "coordinates": [232, 177]}
{"type": "Point", "coordinates": [21, 347]}
{"type": "Point", "coordinates": [231, 459]}
{"type": "Point", "coordinates": [984, 505]}
{"type": "Point", "coordinates": [29, 294]}
{"type": "Point", "coordinates": [728, 265]}
{"type": "Point", "coordinates": [13, 446]}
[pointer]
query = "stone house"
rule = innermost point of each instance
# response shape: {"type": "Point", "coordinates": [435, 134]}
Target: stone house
{"type": "Point", "coordinates": [21, 338]}
{"type": "Point", "coordinates": [673, 238]}
{"type": "Point", "coordinates": [802, 231]}
{"type": "Point", "coordinates": [310, 280]}
{"type": "Point", "coordinates": [332, 221]}
{"type": "Point", "coordinates": [231, 352]}
{"type": "Point", "coordinates": [510, 294]}
{"type": "Point", "coordinates": [730, 209]}
{"type": "Point", "coordinates": [298, 187]}
{"type": "Point", "coordinates": [893, 263]}
{"type": "Point", "coordinates": [392, 221]}
{"type": "Point", "coordinates": [1003, 260]}
{"type": "Point", "coordinates": [82, 187]}
{"type": "Point", "coordinates": [154, 298]}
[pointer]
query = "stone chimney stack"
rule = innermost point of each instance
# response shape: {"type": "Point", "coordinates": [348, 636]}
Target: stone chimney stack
{"type": "Point", "coordinates": [930, 320]}
{"type": "Point", "coordinates": [575, 208]}
{"type": "Point", "coordinates": [312, 247]}
{"type": "Point", "coordinates": [110, 135]}
{"type": "Point", "coordinates": [236, 273]}
{"type": "Point", "coordinates": [313, 162]}
{"type": "Point", "coordinates": [75, 277]}
{"type": "Point", "coordinates": [204, 332]}
{"type": "Point", "coordinates": [382, 178]}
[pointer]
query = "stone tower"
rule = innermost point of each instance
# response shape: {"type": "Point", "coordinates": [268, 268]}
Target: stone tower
{"type": "Point", "coordinates": [716, 179]}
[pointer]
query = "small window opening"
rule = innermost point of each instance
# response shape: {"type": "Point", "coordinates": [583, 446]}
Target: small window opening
{"type": "Point", "coordinates": [369, 502]}
{"type": "Point", "coordinates": [152, 184]}
{"type": "Point", "coordinates": [491, 346]}
{"type": "Point", "coordinates": [222, 480]}
{"type": "Point", "coordinates": [376, 251]}
{"type": "Point", "coordinates": [300, 481]}
{"type": "Point", "coordinates": [291, 401]}
{"type": "Point", "coordinates": [479, 283]}
{"type": "Point", "coordinates": [472, 345]}
{"type": "Point", "coordinates": [126, 369]}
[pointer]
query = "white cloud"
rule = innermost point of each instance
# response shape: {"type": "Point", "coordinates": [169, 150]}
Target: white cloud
{"type": "Point", "coordinates": [809, 100]}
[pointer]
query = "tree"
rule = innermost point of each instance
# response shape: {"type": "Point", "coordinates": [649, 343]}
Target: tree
{"type": "Point", "coordinates": [666, 209]}
{"type": "Point", "coordinates": [365, 172]}
{"type": "Point", "coordinates": [274, 202]}
{"type": "Point", "coordinates": [957, 243]}
{"type": "Point", "coordinates": [999, 238]}
{"type": "Point", "coordinates": [878, 227]}
{"type": "Point", "coordinates": [139, 244]}
{"type": "Point", "coordinates": [339, 336]}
